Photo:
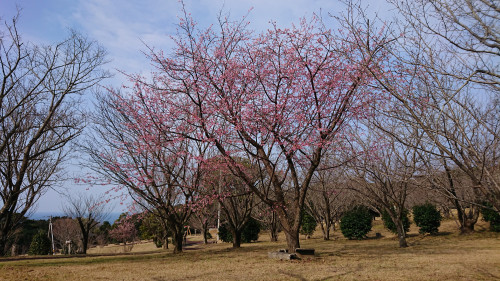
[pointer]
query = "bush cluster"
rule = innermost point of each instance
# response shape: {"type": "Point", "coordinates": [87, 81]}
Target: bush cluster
{"type": "Point", "coordinates": [427, 218]}
{"type": "Point", "coordinates": [249, 233]}
{"type": "Point", "coordinates": [356, 223]}
{"type": "Point", "coordinates": [491, 216]}
{"type": "Point", "coordinates": [308, 224]}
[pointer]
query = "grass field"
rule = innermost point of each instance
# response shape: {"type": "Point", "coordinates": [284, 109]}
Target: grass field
{"type": "Point", "coordinates": [447, 256]}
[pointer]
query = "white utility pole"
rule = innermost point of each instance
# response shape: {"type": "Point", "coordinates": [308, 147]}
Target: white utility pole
{"type": "Point", "coordinates": [51, 233]}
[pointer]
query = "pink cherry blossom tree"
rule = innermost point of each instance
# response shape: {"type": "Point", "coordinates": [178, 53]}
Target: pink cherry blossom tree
{"type": "Point", "coordinates": [281, 98]}
{"type": "Point", "coordinates": [137, 152]}
{"type": "Point", "coordinates": [124, 231]}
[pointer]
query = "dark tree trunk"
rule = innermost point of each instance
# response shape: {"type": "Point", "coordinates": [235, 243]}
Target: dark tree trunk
{"type": "Point", "coordinates": [205, 234]}
{"type": "Point", "coordinates": [328, 217]}
{"type": "Point", "coordinates": [85, 242]}
{"type": "Point", "coordinates": [3, 245]}
{"type": "Point", "coordinates": [177, 239]}
{"type": "Point", "coordinates": [236, 238]}
{"type": "Point", "coordinates": [165, 243]}
{"type": "Point", "coordinates": [5, 228]}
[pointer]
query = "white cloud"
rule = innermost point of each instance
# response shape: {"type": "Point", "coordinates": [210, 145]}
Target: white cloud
{"type": "Point", "coordinates": [123, 26]}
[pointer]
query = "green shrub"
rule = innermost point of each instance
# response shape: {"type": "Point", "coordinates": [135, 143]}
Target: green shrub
{"type": "Point", "coordinates": [40, 244]}
{"type": "Point", "coordinates": [308, 224]}
{"type": "Point", "coordinates": [225, 234]}
{"type": "Point", "coordinates": [250, 231]}
{"type": "Point", "coordinates": [491, 216]}
{"type": "Point", "coordinates": [427, 218]}
{"type": "Point", "coordinates": [356, 223]}
{"type": "Point", "coordinates": [391, 226]}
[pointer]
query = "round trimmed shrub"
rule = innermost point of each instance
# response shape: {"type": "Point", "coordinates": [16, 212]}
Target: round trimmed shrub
{"type": "Point", "coordinates": [308, 224]}
{"type": "Point", "coordinates": [391, 226]}
{"type": "Point", "coordinates": [356, 223]}
{"type": "Point", "coordinates": [250, 231]}
{"type": "Point", "coordinates": [40, 244]}
{"type": "Point", "coordinates": [491, 216]}
{"type": "Point", "coordinates": [427, 218]}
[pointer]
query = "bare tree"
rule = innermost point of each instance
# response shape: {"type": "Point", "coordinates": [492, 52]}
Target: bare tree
{"type": "Point", "coordinates": [39, 116]}
{"type": "Point", "coordinates": [454, 185]}
{"type": "Point", "coordinates": [442, 68]}
{"type": "Point", "coordinates": [66, 230]}
{"type": "Point", "coordinates": [386, 174]}
{"type": "Point", "coordinates": [89, 211]}
{"type": "Point", "coordinates": [329, 198]}
{"type": "Point", "coordinates": [464, 31]}
{"type": "Point", "coordinates": [268, 218]}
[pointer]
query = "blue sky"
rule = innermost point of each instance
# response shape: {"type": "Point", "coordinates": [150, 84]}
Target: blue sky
{"type": "Point", "coordinates": [123, 27]}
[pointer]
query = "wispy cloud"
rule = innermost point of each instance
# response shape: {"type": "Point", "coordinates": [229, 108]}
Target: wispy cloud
{"type": "Point", "coordinates": [124, 27]}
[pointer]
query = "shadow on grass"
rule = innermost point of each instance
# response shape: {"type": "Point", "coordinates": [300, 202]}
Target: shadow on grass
{"type": "Point", "coordinates": [302, 278]}
{"type": "Point", "coordinates": [204, 276]}
{"type": "Point", "coordinates": [40, 261]}
{"type": "Point", "coordinates": [376, 237]}
{"type": "Point", "coordinates": [444, 233]}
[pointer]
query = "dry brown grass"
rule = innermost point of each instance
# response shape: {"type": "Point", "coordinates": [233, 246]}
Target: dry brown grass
{"type": "Point", "coordinates": [448, 256]}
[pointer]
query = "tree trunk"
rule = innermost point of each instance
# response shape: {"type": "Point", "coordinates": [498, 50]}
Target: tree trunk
{"type": "Point", "coordinates": [5, 228]}
{"type": "Point", "coordinates": [165, 243]}
{"type": "Point", "coordinates": [274, 234]}
{"type": "Point", "coordinates": [468, 219]}
{"type": "Point", "coordinates": [323, 230]}
{"type": "Point", "coordinates": [467, 225]}
{"type": "Point", "coordinates": [205, 235]}
{"type": "Point", "coordinates": [177, 239]}
{"type": "Point", "coordinates": [85, 242]}
{"type": "Point", "coordinates": [236, 238]}
{"type": "Point", "coordinates": [401, 234]}
{"type": "Point", "coordinates": [3, 244]}
{"type": "Point", "coordinates": [274, 228]}
{"type": "Point", "coordinates": [291, 228]}
{"type": "Point", "coordinates": [328, 217]}
{"type": "Point", "coordinates": [326, 232]}
{"type": "Point", "coordinates": [292, 240]}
